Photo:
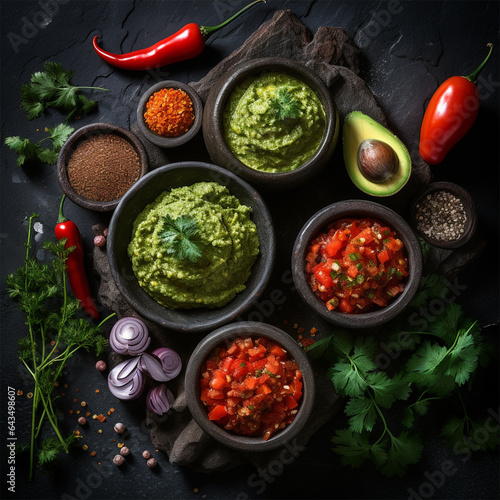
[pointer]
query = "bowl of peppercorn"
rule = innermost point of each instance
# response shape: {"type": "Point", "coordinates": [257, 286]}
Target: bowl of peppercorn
{"type": "Point", "coordinates": [250, 386]}
{"type": "Point", "coordinates": [444, 215]}
{"type": "Point", "coordinates": [357, 263]}
{"type": "Point", "coordinates": [169, 114]}
{"type": "Point", "coordinates": [99, 163]}
{"type": "Point", "coordinates": [272, 121]}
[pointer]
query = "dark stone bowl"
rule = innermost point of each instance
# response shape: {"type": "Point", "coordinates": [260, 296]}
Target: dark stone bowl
{"type": "Point", "coordinates": [198, 410]}
{"type": "Point", "coordinates": [120, 232]}
{"type": "Point", "coordinates": [213, 127]}
{"type": "Point", "coordinates": [170, 142]}
{"type": "Point", "coordinates": [68, 149]}
{"type": "Point", "coordinates": [469, 207]}
{"type": "Point", "coordinates": [357, 208]}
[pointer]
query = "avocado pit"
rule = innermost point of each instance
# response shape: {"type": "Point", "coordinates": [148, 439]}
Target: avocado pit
{"type": "Point", "coordinates": [377, 161]}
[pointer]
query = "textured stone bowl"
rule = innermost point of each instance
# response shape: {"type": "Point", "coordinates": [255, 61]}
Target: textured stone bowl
{"type": "Point", "coordinates": [198, 410]}
{"type": "Point", "coordinates": [120, 233]}
{"type": "Point", "coordinates": [68, 149]}
{"type": "Point", "coordinates": [213, 132]}
{"type": "Point", "coordinates": [357, 208]}
{"type": "Point", "coordinates": [467, 203]}
{"type": "Point", "coordinates": [170, 142]}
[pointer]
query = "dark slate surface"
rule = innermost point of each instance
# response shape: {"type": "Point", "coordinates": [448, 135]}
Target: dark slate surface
{"type": "Point", "coordinates": [405, 49]}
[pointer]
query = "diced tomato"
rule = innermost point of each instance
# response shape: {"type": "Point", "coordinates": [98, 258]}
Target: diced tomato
{"type": "Point", "coordinates": [333, 246]}
{"type": "Point", "coordinates": [290, 402]}
{"type": "Point", "coordinates": [345, 306]}
{"type": "Point", "coordinates": [383, 256]}
{"type": "Point", "coordinates": [322, 274]}
{"type": "Point", "coordinates": [219, 381]}
{"type": "Point", "coordinates": [217, 413]}
{"type": "Point", "coordinates": [352, 271]}
{"type": "Point", "coordinates": [264, 389]}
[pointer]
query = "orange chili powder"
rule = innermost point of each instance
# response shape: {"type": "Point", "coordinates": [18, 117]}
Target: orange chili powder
{"type": "Point", "coordinates": [169, 112]}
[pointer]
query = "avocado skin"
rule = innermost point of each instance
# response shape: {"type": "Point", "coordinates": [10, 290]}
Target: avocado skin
{"type": "Point", "coordinates": [358, 127]}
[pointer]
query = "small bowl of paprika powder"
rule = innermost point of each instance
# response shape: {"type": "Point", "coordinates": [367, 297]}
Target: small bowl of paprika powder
{"type": "Point", "coordinates": [99, 163]}
{"type": "Point", "coordinates": [250, 386]}
{"type": "Point", "coordinates": [169, 114]}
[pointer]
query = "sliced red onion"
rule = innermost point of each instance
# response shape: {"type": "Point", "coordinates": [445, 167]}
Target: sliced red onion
{"type": "Point", "coordinates": [159, 399]}
{"type": "Point", "coordinates": [170, 361]}
{"type": "Point", "coordinates": [151, 365]}
{"type": "Point", "coordinates": [125, 380]}
{"type": "Point", "coordinates": [129, 335]}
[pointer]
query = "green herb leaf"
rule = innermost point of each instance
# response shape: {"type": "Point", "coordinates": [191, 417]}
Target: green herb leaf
{"type": "Point", "coordinates": [285, 105]}
{"type": "Point", "coordinates": [53, 88]}
{"type": "Point", "coordinates": [179, 236]}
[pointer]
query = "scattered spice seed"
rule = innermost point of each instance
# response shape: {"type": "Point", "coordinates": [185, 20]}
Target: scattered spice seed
{"type": "Point", "coordinates": [85, 447]}
{"type": "Point", "coordinates": [118, 460]}
{"type": "Point", "coordinates": [103, 167]}
{"type": "Point", "coordinates": [124, 451]}
{"type": "Point", "coordinates": [29, 395]}
{"type": "Point", "coordinates": [169, 112]}
{"type": "Point", "coordinates": [97, 391]}
{"type": "Point", "coordinates": [146, 454]}
{"type": "Point", "coordinates": [100, 365]}
{"type": "Point", "coordinates": [119, 428]}
{"type": "Point", "coordinates": [83, 403]}
{"type": "Point", "coordinates": [82, 420]}
{"type": "Point", "coordinates": [99, 240]}
{"type": "Point", "coordinates": [441, 215]}
{"type": "Point", "coordinates": [93, 454]}
{"type": "Point", "coordinates": [19, 392]}
{"type": "Point", "coordinates": [152, 462]}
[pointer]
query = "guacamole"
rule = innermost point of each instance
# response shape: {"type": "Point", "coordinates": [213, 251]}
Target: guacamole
{"type": "Point", "coordinates": [226, 236]}
{"type": "Point", "coordinates": [262, 139]}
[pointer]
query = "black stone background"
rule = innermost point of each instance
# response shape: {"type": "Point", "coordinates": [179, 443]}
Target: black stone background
{"type": "Point", "coordinates": [408, 48]}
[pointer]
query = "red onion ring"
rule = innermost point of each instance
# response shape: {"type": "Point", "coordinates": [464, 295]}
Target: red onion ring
{"type": "Point", "coordinates": [171, 362]}
{"type": "Point", "coordinates": [125, 380]}
{"type": "Point", "coordinates": [151, 365]}
{"type": "Point", "coordinates": [129, 335]}
{"type": "Point", "coordinates": [159, 399]}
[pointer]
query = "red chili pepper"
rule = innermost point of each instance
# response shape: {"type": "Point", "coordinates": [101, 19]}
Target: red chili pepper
{"type": "Point", "coordinates": [66, 229]}
{"type": "Point", "coordinates": [450, 114]}
{"type": "Point", "coordinates": [187, 43]}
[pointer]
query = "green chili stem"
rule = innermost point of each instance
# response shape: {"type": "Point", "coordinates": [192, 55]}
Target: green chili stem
{"type": "Point", "coordinates": [206, 31]}
{"type": "Point", "coordinates": [473, 76]}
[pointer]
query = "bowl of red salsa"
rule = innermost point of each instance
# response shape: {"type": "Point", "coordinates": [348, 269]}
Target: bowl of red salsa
{"type": "Point", "coordinates": [357, 263]}
{"type": "Point", "coordinates": [250, 386]}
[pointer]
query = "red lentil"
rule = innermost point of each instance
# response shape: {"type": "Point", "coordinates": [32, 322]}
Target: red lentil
{"type": "Point", "coordinates": [169, 112]}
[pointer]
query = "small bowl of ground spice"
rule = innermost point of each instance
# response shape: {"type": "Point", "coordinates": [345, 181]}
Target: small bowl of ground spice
{"type": "Point", "coordinates": [444, 215]}
{"type": "Point", "coordinates": [169, 114]}
{"type": "Point", "coordinates": [99, 163]}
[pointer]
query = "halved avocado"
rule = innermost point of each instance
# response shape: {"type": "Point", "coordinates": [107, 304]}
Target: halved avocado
{"type": "Point", "coordinates": [359, 127]}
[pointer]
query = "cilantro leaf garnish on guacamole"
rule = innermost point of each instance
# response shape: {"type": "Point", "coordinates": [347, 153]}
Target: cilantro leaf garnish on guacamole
{"type": "Point", "coordinates": [180, 237]}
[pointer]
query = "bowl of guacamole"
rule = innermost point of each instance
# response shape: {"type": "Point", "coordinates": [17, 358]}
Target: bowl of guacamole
{"type": "Point", "coordinates": [191, 246]}
{"type": "Point", "coordinates": [272, 121]}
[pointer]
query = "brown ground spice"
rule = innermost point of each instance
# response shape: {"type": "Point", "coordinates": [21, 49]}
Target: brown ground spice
{"type": "Point", "coordinates": [103, 167]}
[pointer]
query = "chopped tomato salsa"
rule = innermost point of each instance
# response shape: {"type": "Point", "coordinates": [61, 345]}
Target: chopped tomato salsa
{"type": "Point", "coordinates": [356, 265]}
{"type": "Point", "coordinates": [251, 387]}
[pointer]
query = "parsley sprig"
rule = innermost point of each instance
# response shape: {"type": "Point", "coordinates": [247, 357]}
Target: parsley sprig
{"type": "Point", "coordinates": [285, 105]}
{"type": "Point", "coordinates": [180, 237]}
{"type": "Point", "coordinates": [382, 404]}
{"type": "Point", "coordinates": [53, 88]}
{"type": "Point", "coordinates": [27, 150]}
{"type": "Point", "coordinates": [55, 333]}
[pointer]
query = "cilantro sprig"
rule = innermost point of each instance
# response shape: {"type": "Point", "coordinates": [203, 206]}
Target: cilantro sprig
{"type": "Point", "coordinates": [180, 237]}
{"type": "Point", "coordinates": [383, 402]}
{"type": "Point", "coordinates": [27, 150]}
{"type": "Point", "coordinates": [53, 88]}
{"type": "Point", "coordinates": [55, 333]}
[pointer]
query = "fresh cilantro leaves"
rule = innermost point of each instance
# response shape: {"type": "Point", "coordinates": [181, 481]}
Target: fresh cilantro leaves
{"type": "Point", "coordinates": [383, 400]}
{"type": "Point", "coordinates": [53, 88]}
{"type": "Point", "coordinates": [27, 150]}
{"type": "Point", "coordinates": [180, 237]}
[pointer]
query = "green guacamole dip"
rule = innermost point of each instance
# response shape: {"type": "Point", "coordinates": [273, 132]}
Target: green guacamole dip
{"type": "Point", "coordinates": [229, 242]}
{"type": "Point", "coordinates": [258, 137]}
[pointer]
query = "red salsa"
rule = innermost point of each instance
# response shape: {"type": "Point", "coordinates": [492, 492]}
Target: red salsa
{"type": "Point", "coordinates": [356, 265]}
{"type": "Point", "coordinates": [251, 387]}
